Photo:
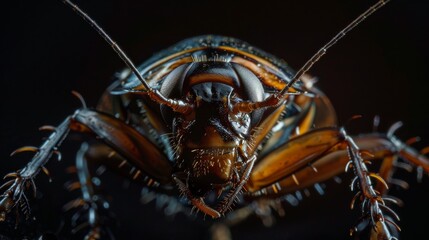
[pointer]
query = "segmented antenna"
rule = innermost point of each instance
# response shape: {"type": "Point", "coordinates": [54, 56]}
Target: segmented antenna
{"type": "Point", "coordinates": [278, 98]}
{"type": "Point", "coordinates": [107, 38]}
{"type": "Point", "coordinates": [316, 57]}
{"type": "Point", "coordinates": [155, 95]}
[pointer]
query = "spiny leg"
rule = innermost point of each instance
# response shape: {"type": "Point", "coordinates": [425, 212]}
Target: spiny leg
{"type": "Point", "coordinates": [123, 139]}
{"type": "Point", "coordinates": [23, 179]}
{"type": "Point", "coordinates": [91, 205]}
{"type": "Point", "coordinates": [301, 163]}
{"type": "Point", "coordinates": [237, 189]}
{"type": "Point", "coordinates": [373, 205]}
{"type": "Point", "coordinates": [93, 209]}
{"type": "Point", "coordinates": [298, 153]}
{"type": "Point", "coordinates": [371, 197]}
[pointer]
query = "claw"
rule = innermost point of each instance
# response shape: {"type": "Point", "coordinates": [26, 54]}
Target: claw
{"type": "Point", "coordinates": [352, 203]}
{"type": "Point", "coordinates": [13, 175]}
{"type": "Point", "coordinates": [81, 99]}
{"type": "Point", "coordinates": [393, 223]}
{"type": "Point", "coordinates": [73, 204]}
{"type": "Point", "coordinates": [349, 165]}
{"type": "Point", "coordinates": [366, 153]}
{"type": "Point", "coordinates": [380, 179]}
{"type": "Point", "coordinates": [390, 211]}
{"type": "Point", "coordinates": [353, 183]}
{"type": "Point", "coordinates": [400, 183]}
{"type": "Point", "coordinates": [46, 171]}
{"type": "Point", "coordinates": [73, 186]}
{"type": "Point", "coordinates": [8, 183]}
{"type": "Point", "coordinates": [407, 167]}
{"type": "Point", "coordinates": [394, 200]}
{"type": "Point", "coordinates": [47, 128]}
{"type": "Point", "coordinates": [58, 153]}
{"type": "Point", "coordinates": [394, 128]}
{"type": "Point", "coordinates": [25, 149]}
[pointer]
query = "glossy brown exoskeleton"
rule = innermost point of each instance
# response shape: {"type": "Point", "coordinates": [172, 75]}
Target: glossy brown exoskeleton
{"type": "Point", "coordinates": [213, 118]}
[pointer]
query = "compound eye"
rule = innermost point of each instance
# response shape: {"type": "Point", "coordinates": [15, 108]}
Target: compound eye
{"type": "Point", "coordinates": [240, 123]}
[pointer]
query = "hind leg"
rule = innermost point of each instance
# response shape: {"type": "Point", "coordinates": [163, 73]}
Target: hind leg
{"type": "Point", "coordinates": [93, 209]}
{"type": "Point", "coordinates": [90, 206]}
{"type": "Point", "coordinates": [144, 156]}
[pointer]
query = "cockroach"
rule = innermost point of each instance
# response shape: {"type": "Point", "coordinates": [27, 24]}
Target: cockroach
{"type": "Point", "coordinates": [221, 126]}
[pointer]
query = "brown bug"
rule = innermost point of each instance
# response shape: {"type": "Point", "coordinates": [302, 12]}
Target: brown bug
{"type": "Point", "coordinates": [200, 180]}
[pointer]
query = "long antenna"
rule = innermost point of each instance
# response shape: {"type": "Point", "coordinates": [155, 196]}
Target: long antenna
{"type": "Point", "coordinates": [278, 98]}
{"type": "Point", "coordinates": [107, 38]}
{"type": "Point", "coordinates": [316, 57]}
{"type": "Point", "coordinates": [176, 105]}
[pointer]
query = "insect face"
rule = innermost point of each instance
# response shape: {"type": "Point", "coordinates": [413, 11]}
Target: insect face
{"type": "Point", "coordinates": [210, 140]}
{"type": "Point", "coordinates": [209, 145]}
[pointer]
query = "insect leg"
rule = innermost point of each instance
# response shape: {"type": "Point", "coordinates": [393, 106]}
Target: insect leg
{"type": "Point", "coordinates": [321, 154]}
{"type": "Point", "coordinates": [301, 163]}
{"type": "Point", "coordinates": [127, 142]}
{"type": "Point", "coordinates": [373, 205]}
{"type": "Point", "coordinates": [124, 139]}
{"type": "Point", "coordinates": [370, 197]}
{"type": "Point", "coordinates": [24, 179]}
{"type": "Point", "coordinates": [91, 205]}
{"type": "Point", "coordinates": [292, 156]}
{"type": "Point", "coordinates": [238, 187]}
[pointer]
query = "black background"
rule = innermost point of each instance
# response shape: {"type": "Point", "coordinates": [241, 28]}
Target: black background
{"type": "Point", "coordinates": [379, 68]}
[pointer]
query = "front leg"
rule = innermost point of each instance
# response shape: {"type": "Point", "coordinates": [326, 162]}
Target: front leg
{"type": "Point", "coordinates": [138, 150]}
{"type": "Point", "coordinates": [322, 154]}
{"type": "Point", "coordinates": [24, 178]}
{"type": "Point", "coordinates": [372, 201]}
